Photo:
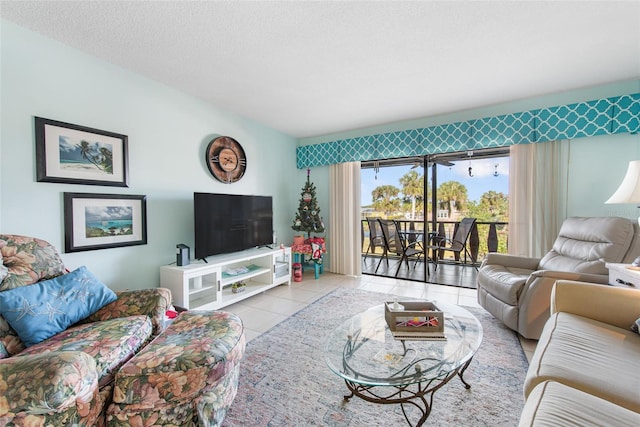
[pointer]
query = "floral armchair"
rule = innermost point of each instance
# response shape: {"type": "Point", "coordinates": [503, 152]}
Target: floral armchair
{"type": "Point", "coordinates": [67, 342]}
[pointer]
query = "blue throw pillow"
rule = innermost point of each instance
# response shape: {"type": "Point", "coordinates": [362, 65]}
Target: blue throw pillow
{"type": "Point", "coordinates": [41, 310]}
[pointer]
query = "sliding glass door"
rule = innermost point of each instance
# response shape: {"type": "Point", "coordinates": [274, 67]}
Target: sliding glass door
{"type": "Point", "coordinates": [428, 197]}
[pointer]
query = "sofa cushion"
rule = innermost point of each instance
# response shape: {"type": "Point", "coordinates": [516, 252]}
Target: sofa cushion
{"type": "Point", "coordinates": [41, 310]}
{"type": "Point", "coordinates": [28, 260]}
{"type": "Point", "coordinates": [154, 302]}
{"type": "Point", "coordinates": [3, 268]}
{"type": "Point", "coordinates": [110, 342]}
{"type": "Point", "coordinates": [553, 404]}
{"type": "Point", "coordinates": [10, 343]}
{"type": "Point", "coordinates": [504, 283]}
{"type": "Point", "coordinates": [584, 245]}
{"type": "Point", "coordinates": [192, 355]}
{"type": "Point", "coordinates": [63, 381]}
{"type": "Point", "coordinates": [595, 357]}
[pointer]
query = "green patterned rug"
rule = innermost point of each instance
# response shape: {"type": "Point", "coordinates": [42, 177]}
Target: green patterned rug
{"type": "Point", "coordinates": [284, 380]}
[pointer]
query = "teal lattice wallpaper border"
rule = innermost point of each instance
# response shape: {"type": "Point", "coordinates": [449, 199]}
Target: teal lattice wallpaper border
{"type": "Point", "coordinates": [620, 114]}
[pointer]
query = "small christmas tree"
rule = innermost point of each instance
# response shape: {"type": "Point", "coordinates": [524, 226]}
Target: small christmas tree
{"type": "Point", "coordinates": [308, 216]}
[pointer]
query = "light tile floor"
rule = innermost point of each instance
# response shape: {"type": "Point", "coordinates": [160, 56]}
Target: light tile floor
{"type": "Point", "coordinates": [261, 312]}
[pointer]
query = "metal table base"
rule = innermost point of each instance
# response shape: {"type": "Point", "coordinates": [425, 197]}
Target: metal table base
{"type": "Point", "coordinates": [419, 395]}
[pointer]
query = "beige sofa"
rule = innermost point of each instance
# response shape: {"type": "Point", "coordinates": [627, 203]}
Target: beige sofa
{"type": "Point", "coordinates": [585, 370]}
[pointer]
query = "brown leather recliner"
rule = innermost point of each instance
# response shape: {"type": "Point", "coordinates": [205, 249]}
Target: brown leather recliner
{"type": "Point", "coordinates": [517, 290]}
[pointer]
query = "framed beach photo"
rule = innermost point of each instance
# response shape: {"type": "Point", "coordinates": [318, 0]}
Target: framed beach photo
{"type": "Point", "coordinates": [101, 221]}
{"type": "Point", "coordinates": [72, 154]}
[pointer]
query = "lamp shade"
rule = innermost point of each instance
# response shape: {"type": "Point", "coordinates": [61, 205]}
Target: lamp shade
{"type": "Point", "coordinates": [629, 189]}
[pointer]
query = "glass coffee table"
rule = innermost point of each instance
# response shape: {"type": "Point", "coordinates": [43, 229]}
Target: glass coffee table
{"type": "Point", "coordinates": [381, 369]}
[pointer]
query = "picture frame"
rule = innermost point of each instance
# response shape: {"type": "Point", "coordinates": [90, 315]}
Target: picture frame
{"type": "Point", "coordinates": [73, 154]}
{"type": "Point", "coordinates": [102, 221]}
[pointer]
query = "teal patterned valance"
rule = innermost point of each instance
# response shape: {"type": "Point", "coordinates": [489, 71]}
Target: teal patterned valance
{"type": "Point", "coordinates": [620, 114]}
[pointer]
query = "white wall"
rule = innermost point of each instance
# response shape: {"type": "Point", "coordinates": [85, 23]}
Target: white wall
{"type": "Point", "coordinates": [168, 132]}
{"type": "Point", "coordinates": [596, 167]}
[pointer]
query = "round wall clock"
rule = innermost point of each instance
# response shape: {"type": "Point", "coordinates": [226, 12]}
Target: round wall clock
{"type": "Point", "coordinates": [226, 159]}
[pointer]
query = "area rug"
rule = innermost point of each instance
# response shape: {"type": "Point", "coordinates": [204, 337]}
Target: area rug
{"type": "Point", "coordinates": [284, 380]}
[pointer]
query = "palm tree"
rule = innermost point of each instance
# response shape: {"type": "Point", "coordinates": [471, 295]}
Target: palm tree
{"type": "Point", "coordinates": [385, 198]}
{"type": "Point", "coordinates": [452, 193]}
{"type": "Point", "coordinates": [497, 204]}
{"type": "Point", "coordinates": [412, 187]}
{"type": "Point", "coordinates": [86, 150]}
{"type": "Point", "coordinates": [106, 158]}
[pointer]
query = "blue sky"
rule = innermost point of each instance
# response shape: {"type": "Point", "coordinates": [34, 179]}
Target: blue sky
{"type": "Point", "coordinates": [70, 149]}
{"type": "Point", "coordinates": [481, 182]}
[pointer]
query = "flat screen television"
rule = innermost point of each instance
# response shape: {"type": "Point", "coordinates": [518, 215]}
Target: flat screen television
{"type": "Point", "coordinates": [226, 223]}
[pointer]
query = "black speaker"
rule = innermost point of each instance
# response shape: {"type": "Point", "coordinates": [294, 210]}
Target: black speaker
{"type": "Point", "coordinates": [182, 254]}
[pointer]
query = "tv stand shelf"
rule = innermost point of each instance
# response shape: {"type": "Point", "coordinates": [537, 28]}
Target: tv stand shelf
{"type": "Point", "coordinates": [253, 271]}
{"type": "Point", "coordinates": [207, 285]}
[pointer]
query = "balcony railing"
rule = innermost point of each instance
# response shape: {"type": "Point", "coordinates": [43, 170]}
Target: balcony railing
{"type": "Point", "coordinates": [485, 237]}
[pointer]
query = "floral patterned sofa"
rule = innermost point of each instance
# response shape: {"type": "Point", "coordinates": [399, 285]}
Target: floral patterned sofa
{"type": "Point", "coordinates": [74, 353]}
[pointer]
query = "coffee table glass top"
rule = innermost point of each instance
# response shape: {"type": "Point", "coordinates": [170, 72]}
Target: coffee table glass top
{"type": "Point", "coordinates": [362, 350]}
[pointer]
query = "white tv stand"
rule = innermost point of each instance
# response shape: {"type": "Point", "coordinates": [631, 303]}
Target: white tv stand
{"type": "Point", "coordinates": [207, 286]}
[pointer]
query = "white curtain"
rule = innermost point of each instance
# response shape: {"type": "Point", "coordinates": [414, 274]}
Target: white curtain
{"type": "Point", "coordinates": [344, 216]}
{"type": "Point", "coordinates": [538, 179]}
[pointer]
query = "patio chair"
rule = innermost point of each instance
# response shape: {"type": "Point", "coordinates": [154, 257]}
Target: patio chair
{"type": "Point", "coordinates": [375, 238]}
{"type": "Point", "coordinates": [458, 244]}
{"type": "Point", "coordinates": [395, 243]}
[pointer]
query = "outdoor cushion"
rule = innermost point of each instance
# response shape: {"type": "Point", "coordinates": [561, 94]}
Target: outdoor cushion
{"type": "Point", "coordinates": [41, 310]}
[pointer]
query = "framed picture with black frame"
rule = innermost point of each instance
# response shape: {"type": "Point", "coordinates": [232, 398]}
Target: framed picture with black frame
{"type": "Point", "coordinates": [101, 221]}
{"type": "Point", "coordinates": [72, 154]}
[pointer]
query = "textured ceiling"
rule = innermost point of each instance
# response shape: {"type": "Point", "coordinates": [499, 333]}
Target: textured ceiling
{"type": "Point", "coordinates": [314, 68]}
